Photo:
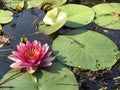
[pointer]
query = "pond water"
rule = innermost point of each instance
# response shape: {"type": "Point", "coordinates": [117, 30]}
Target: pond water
{"type": "Point", "coordinates": [24, 24]}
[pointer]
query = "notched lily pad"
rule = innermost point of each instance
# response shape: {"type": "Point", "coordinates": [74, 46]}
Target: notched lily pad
{"type": "Point", "coordinates": [78, 15]}
{"type": "Point", "coordinates": [46, 79]}
{"type": "Point", "coordinates": [85, 49]}
{"type": "Point", "coordinates": [53, 20]}
{"type": "Point", "coordinates": [108, 15]}
{"type": "Point", "coordinates": [5, 16]}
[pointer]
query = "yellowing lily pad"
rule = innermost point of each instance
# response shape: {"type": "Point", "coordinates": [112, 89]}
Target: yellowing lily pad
{"type": "Point", "coordinates": [5, 16]}
{"type": "Point", "coordinates": [108, 15]}
{"type": "Point", "coordinates": [85, 49]}
{"type": "Point", "coordinates": [53, 20]}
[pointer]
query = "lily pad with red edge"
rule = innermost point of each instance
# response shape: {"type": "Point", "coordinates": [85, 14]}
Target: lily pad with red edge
{"type": "Point", "coordinates": [78, 15]}
{"type": "Point", "coordinates": [55, 77]}
{"type": "Point", "coordinates": [5, 16]}
{"type": "Point", "coordinates": [85, 49]}
{"type": "Point", "coordinates": [108, 15]}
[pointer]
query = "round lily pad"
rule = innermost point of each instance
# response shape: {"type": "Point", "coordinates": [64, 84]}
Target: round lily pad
{"type": "Point", "coordinates": [85, 49]}
{"type": "Point", "coordinates": [78, 15]}
{"type": "Point", "coordinates": [108, 15]}
{"type": "Point", "coordinates": [5, 16]}
{"type": "Point", "coordinates": [55, 77]}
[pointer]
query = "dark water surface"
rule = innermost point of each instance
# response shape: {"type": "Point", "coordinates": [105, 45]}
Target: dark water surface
{"type": "Point", "coordinates": [23, 25]}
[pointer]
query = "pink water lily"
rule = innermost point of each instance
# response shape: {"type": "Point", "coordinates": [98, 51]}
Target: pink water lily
{"type": "Point", "coordinates": [31, 56]}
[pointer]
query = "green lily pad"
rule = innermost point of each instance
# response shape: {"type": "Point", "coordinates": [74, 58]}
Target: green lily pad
{"type": "Point", "coordinates": [53, 21]}
{"type": "Point", "coordinates": [55, 77]}
{"type": "Point", "coordinates": [85, 49]}
{"type": "Point", "coordinates": [14, 3]}
{"type": "Point", "coordinates": [108, 15]}
{"type": "Point", "coordinates": [54, 3]}
{"type": "Point", "coordinates": [31, 3]}
{"type": "Point", "coordinates": [79, 16]}
{"type": "Point", "coordinates": [5, 16]}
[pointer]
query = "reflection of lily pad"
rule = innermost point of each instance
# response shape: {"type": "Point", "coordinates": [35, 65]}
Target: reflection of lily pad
{"type": "Point", "coordinates": [85, 49]}
{"type": "Point", "coordinates": [78, 15]}
{"type": "Point", "coordinates": [55, 77]}
{"type": "Point", "coordinates": [5, 16]}
{"type": "Point", "coordinates": [108, 15]}
{"type": "Point", "coordinates": [53, 20]}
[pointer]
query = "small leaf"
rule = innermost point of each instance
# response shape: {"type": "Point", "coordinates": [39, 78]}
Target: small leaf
{"type": "Point", "coordinates": [107, 15]}
{"type": "Point", "coordinates": [5, 16]}
{"type": "Point", "coordinates": [85, 49]}
{"type": "Point", "coordinates": [53, 20]}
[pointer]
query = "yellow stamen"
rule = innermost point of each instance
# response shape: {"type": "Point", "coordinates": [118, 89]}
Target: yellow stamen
{"type": "Point", "coordinates": [31, 52]}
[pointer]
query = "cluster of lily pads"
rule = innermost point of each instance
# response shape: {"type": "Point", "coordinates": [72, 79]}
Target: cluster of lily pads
{"type": "Point", "coordinates": [83, 49]}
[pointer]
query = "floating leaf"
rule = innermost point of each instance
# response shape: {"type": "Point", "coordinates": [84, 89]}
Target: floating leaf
{"type": "Point", "coordinates": [5, 16]}
{"type": "Point", "coordinates": [85, 49]}
{"type": "Point", "coordinates": [31, 3]}
{"type": "Point", "coordinates": [56, 77]}
{"type": "Point", "coordinates": [34, 3]}
{"type": "Point", "coordinates": [53, 20]}
{"type": "Point", "coordinates": [54, 3]}
{"type": "Point", "coordinates": [108, 15]}
{"type": "Point", "coordinates": [14, 3]}
{"type": "Point", "coordinates": [79, 16]}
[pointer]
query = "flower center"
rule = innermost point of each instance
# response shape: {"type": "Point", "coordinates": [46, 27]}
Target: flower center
{"type": "Point", "coordinates": [31, 52]}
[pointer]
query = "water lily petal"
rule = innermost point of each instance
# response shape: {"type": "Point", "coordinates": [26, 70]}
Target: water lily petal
{"type": "Point", "coordinates": [31, 69]}
{"type": "Point", "coordinates": [12, 57]}
{"type": "Point", "coordinates": [47, 55]}
{"type": "Point", "coordinates": [44, 64]}
{"type": "Point", "coordinates": [17, 65]}
{"type": "Point", "coordinates": [43, 50]}
{"type": "Point", "coordinates": [22, 44]}
{"type": "Point", "coordinates": [36, 45]}
{"type": "Point", "coordinates": [28, 43]}
{"type": "Point", "coordinates": [49, 59]}
{"type": "Point", "coordinates": [21, 49]}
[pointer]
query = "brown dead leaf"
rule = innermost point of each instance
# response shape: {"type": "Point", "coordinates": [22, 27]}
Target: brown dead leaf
{"type": "Point", "coordinates": [4, 39]}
